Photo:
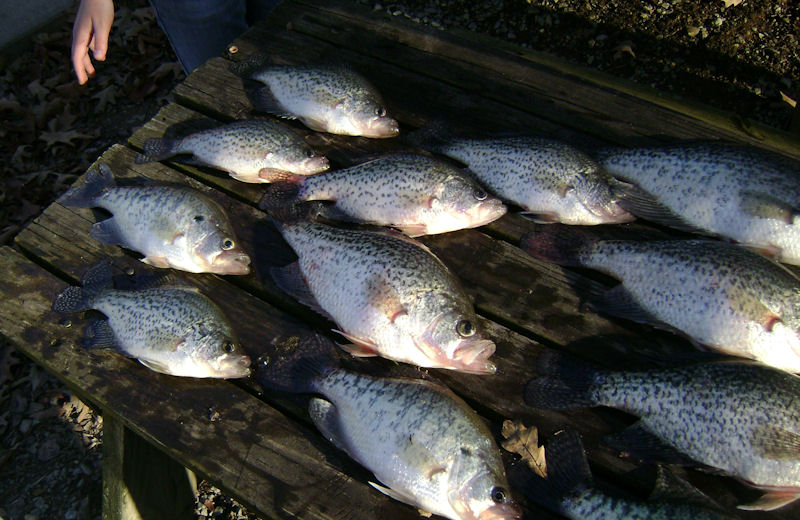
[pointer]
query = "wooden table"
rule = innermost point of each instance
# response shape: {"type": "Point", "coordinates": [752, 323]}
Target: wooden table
{"type": "Point", "coordinates": [261, 447]}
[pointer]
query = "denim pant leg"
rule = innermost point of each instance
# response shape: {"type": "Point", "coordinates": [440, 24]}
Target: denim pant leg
{"type": "Point", "coordinates": [200, 29]}
{"type": "Point", "coordinates": [257, 10]}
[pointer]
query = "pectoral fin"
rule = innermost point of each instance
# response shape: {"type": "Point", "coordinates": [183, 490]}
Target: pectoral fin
{"type": "Point", "coordinates": [385, 298]}
{"type": "Point", "coordinates": [360, 347]}
{"type": "Point", "coordinates": [746, 304]}
{"type": "Point", "coordinates": [291, 280]}
{"type": "Point", "coordinates": [762, 205]}
{"type": "Point", "coordinates": [776, 443]}
{"type": "Point", "coordinates": [156, 366]}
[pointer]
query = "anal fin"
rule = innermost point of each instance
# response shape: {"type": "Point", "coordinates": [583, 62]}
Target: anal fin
{"type": "Point", "coordinates": [640, 442]}
{"type": "Point", "coordinates": [108, 232]}
{"type": "Point", "coordinates": [290, 279]}
{"type": "Point", "coordinates": [324, 415]}
{"type": "Point", "coordinates": [400, 497]}
{"type": "Point", "coordinates": [771, 500]}
{"type": "Point", "coordinates": [99, 335]}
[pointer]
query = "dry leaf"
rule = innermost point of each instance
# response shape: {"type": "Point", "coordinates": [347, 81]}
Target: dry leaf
{"type": "Point", "coordinates": [729, 3]}
{"type": "Point", "coordinates": [626, 46]}
{"type": "Point", "coordinates": [65, 137]}
{"type": "Point", "coordinates": [525, 442]}
{"type": "Point", "coordinates": [39, 91]}
{"type": "Point", "coordinates": [788, 100]}
{"type": "Point", "coordinates": [106, 97]}
{"type": "Point", "coordinates": [170, 67]}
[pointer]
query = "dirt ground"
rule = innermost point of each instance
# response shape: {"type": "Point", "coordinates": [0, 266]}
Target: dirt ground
{"type": "Point", "coordinates": [730, 54]}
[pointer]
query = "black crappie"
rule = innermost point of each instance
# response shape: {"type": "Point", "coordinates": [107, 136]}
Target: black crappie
{"type": "Point", "coordinates": [423, 443]}
{"type": "Point", "coordinates": [550, 180]}
{"type": "Point", "coordinates": [745, 194]}
{"type": "Point", "coordinates": [387, 293]}
{"type": "Point", "coordinates": [569, 490]}
{"type": "Point", "coordinates": [414, 193]}
{"type": "Point", "coordinates": [250, 151]}
{"type": "Point", "coordinates": [332, 99]}
{"type": "Point", "coordinates": [739, 417]}
{"type": "Point", "coordinates": [719, 294]}
{"type": "Point", "coordinates": [171, 329]}
{"type": "Point", "coordinates": [171, 226]}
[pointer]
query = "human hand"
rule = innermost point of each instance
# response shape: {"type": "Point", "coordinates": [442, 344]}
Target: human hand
{"type": "Point", "coordinates": [90, 32]}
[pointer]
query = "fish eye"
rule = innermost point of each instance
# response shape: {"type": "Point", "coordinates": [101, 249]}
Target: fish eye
{"type": "Point", "coordinates": [498, 495]}
{"type": "Point", "coordinates": [380, 111]}
{"type": "Point", "coordinates": [227, 244]}
{"type": "Point", "coordinates": [465, 328]}
{"type": "Point", "coordinates": [479, 194]}
{"type": "Point", "coordinates": [228, 347]}
{"type": "Point", "coordinates": [310, 152]}
{"type": "Point", "coordinates": [199, 218]}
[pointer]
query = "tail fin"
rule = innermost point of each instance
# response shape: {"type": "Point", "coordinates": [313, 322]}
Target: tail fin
{"type": "Point", "coordinates": [281, 193]}
{"type": "Point", "coordinates": [156, 149]}
{"type": "Point", "coordinates": [83, 196]}
{"type": "Point", "coordinates": [295, 362]}
{"type": "Point", "coordinates": [564, 382]}
{"type": "Point", "coordinates": [433, 136]}
{"type": "Point", "coordinates": [294, 213]}
{"type": "Point", "coordinates": [562, 245]}
{"type": "Point", "coordinates": [567, 472]}
{"type": "Point", "coordinates": [74, 299]}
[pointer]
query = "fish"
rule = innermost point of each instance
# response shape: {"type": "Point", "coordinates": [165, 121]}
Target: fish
{"type": "Point", "coordinates": [172, 226]}
{"type": "Point", "coordinates": [388, 294]}
{"type": "Point", "coordinates": [173, 330]}
{"type": "Point", "coordinates": [720, 295]}
{"type": "Point", "coordinates": [549, 179]}
{"type": "Point", "coordinates": [325, 98]}
{"type": "Point", "coordinates": [423, 443]}
{"type": "Point", "coordinates": [250, 151]}
{"type": "Point", "coordinates": [738, 418]}
{"type": "Point", "coordinates": [742, 193]}
{"type": "Point", "coordinates": [570, 490]}
{"type": "Point", "coordinates": [414, 193]}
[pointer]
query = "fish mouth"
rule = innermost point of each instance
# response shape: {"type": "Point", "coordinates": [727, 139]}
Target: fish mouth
{"type": "Point", "coordinates": [501, 512]}
{"type": "Point", "coordinates": [472, 356]}
{"type": "Point", "coordinates": [235, 367]}
{"type": "Point", "coordinates": [489, 211]}
{"type": "Point", "coordinates": [231, 262]}
{"type": "Point", "coordinates": [382, 127]}
{"type": "Point", "coordinates": [609, 213]}
{"type": "Point", "coordinates": [315, 164]}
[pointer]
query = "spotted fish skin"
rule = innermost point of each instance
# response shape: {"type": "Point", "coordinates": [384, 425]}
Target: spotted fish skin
{"type": "Point", "coordinates": [387, 293]}
{"type": "Point", "coordinates": [173, 330]}
{"type": "Point", "coordinates": [742, 193]}
{"type": "Point", "coordinates": [251, 151]}
{"type": "Point", "coordinates": [736, 416]}
{"type": "Point", "coordinates": [549, 179]}
{"type": "Point", "coordinates": [414, 193]}
{"type": "Point", "coordinates": [569, 490]}
{"type": "Point", "coordinates": [422, 442]}
{"type": "Point", "coordinates": [171, 226]}
{"type": "Point", "coordinates": [720, 295]}
{"type": "Point", "coordinates": [332, 99]}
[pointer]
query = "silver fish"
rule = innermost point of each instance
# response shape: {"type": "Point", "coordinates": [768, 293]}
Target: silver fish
{"type": "Point", "coordinates": [550, 180]}
{"type": "Point", "coordinates": [414, 193]}
{"type": "Point", "coordinates": [745, 194]}
{"type": "Point", "coordinates": [171, 226]}
{"type": "Point", "coordinates": [250, 151]}
{"type": "Point", "coordinates": [387, 293]}
{"type": "Point", "coordinates": [569, 490]}
{"type": "Point", "coordinates": [173, 330]}
{"type": "Point", "coordinates": [739, 417]}
{"type": "Point", "coordinates": [332, 99]}
{"type": "Point", "coordinates": [720, 295]}
{"type": "Point", "coordinates": [423, 443]}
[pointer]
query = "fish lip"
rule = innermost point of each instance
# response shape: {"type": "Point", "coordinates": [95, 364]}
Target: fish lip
{"type": "Point", "coordinates": [612, 213]}
{"type": "Point", "coordinates": [231, 262]}
{"type": "Point", "coordinates": [501, 512]}
{"type": "Point", "coordinates": [491, 211]}
{"type": "Point", "coordinates": [472, 356]}
{"type": "Point", "coordinates": [316, 164]}
{"type": "Point", "coordinates": [382, 127]}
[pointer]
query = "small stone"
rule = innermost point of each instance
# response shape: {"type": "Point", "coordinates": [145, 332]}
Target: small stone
{"type": "Point", "coordinates": [47, 450]}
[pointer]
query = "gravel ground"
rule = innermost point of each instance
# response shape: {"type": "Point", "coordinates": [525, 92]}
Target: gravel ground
{"type": "Point", "coordinates": [731, 54]}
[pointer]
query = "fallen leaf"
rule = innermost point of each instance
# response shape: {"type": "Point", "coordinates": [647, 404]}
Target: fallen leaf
{"type": "Point", "coordinates": [693, 30]}
{"type": "Point", "coordinates": [38, 90]}
{"type": "Point", "coordinates": [525, 442]}
{"type": "Point", "coordinates": [65, 137]}
{"type": "Point", "coordinates": [729, 3]}
{"type": "Point", "coordinates": [626, 46]}
{"type": "Point", "coordinates": [788, 100]}
{"type": "Point", "coordinates": [172, 67]}
{"type": "Point", "coordinates": [106, 97]}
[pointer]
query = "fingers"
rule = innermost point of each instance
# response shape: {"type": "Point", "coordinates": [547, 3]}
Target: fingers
{"type": "Point", "coordinates": [90, 32]}
{"type": "Point", "coordinates": [99, 43]}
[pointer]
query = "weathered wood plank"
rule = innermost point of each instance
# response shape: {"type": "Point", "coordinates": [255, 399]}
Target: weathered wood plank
{"type": "Point", "coordinates": [252, 451]}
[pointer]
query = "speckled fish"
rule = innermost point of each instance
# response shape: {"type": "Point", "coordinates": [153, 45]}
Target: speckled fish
{"type": "Point", "coordinates": [569, 490]}
{"type": "Point", "coordinates": [387, 293]}
{"type": "Point", "coordinates": [720, 295]}
{"type": "Point", "coordinates": [171, 226]}
{"type": "Point", "coordinates": [250, 151]}
{"type": "Point", "coordinates": [423, 443]}
{"type": "Point", "coordinates": [745, 194]}
{"type": "Point", "coordinates": [414, 193]}
{"type": "Point", "coordinates": [738, 417]}
{"type": "Point", "coordinates": [550, 180]}
{"type": "Point", "coordinates": [332, 99]}
{"type": "Point", "coordinates": [173, 330]}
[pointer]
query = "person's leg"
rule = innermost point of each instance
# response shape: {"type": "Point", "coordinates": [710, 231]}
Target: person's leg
{"type": "Point", "coordinates": [257, 10]}
{"type": "Point", "coordinates": [200, 29]}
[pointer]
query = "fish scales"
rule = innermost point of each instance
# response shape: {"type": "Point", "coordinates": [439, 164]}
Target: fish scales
{"type": "Point", "coordinates": [550, 179]}
{"type": "Point", "coordinates": [746, 194]}
{"type": "Point", "coordinates": [391, 294]}
{"type": "Point", "coordinates": [417, 194]}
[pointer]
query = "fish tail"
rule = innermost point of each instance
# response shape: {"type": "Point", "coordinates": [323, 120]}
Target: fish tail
{"type": "Point", "coordinates": [94, 281]}
{"type": "Point", "coordinates": [294, 213]}
{"type": "Point", "coordinates": [432, 136]}
{"type": "Point", "coordinates": [561, 245]}
{"type": "Point", "coordinates": [563, 383]}
{"type": "Point", "coordinates": [568, 472]}
{"type": "Point", "coordinates": [84, 196]}
{"type": "Point", "coordinates": [156, 149]}
{"type": "Point", "coordinates": [296, 362]}
{"type": "Point", "coordinates": [281, 193]}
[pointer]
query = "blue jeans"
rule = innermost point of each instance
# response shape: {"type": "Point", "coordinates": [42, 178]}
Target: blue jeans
{"type": "Point", "coordinates": [201, 29]}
